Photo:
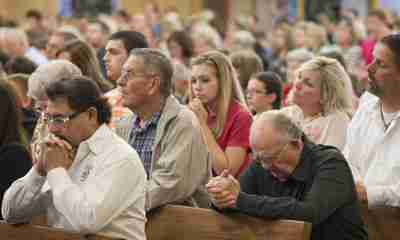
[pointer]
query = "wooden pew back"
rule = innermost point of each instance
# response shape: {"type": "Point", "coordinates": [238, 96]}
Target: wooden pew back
{"type": "Point", "coordinates": [383, 223]}
{"type": "Point", "coordinates": [178, 222]}
{"type": "Point", "coordinates": [27, 231]}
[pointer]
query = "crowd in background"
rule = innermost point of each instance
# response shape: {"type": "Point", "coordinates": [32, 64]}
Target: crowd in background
{"type": "Point", "coordinates": [315, 73]}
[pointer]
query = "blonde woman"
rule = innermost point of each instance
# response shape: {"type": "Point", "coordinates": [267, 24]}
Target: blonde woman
{"type": "Point", "coordinates": [219, 104]}
{"type": "Point", "coordinates": [323, 101]}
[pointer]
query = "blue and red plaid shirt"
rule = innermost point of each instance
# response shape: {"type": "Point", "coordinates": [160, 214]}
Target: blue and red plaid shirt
{"type": "Point", "coordinates": [142, 139]}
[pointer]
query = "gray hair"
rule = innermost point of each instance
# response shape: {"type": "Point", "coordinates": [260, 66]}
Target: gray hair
{"type": "Point", "coordinates": [243, 40]}
{"type": "Point", "coordinates": [278, 121]}
{"type": "Point", "coordinates": [156, 62]}
{"type": "Point", "coordinates": [181, 72]}
{"type": "Point", "coordinates": [15, 35]}
{"type": "Point", "coordinates": [300, 55]}
{"type": "Point", "coordinates": [48, 73]}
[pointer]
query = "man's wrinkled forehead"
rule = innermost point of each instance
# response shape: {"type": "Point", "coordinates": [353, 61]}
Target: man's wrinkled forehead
{"type": "Point", "coordinates": [133, 63]}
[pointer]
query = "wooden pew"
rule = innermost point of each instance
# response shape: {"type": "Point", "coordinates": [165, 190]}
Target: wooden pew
{"type": "Point", "coordinates": [383, 223]}
{"type": "Point", "coordinates": [173, 222]}
{"type": "Point", "coordinates": [178, 222]}
{"type": "Point", "coordinates": [34, 232]}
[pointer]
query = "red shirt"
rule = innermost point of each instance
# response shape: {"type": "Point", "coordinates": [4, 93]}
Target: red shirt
{"type": "Point", "coordinates": [367, 47]}
{"type": "Point", "coordinates": [236, 132]}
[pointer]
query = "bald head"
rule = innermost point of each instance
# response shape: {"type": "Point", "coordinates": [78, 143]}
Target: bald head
{"type": "Point", "coordinates": [275, 127]}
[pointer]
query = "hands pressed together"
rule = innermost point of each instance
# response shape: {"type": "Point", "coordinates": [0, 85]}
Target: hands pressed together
{"type": "Point", "coordinates": [223, 190]}
{"type": "Point", "coordinates": [361, 192]}
{"type": "Point", "coordinates": [198, 108]}
{"type": "Point", "coordinates": [55, 153]}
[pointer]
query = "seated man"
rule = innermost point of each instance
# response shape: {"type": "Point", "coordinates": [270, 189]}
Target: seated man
{"type": "Point", "coordinates": [373, 136]}
{"type": "Point", "coordinates": [292, 178]}
{"type": "Point", "coordinates": [117, 50]}
{"type": "Point", "coordinates": [101, 190]}
{"type": "Point", "coordinates": [165, 133]}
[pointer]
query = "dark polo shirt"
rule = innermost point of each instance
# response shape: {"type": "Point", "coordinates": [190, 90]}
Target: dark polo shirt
{"type": "Point", "coordinates": [320, 191]}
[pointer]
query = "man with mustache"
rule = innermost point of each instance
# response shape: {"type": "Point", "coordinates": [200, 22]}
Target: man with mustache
{"type": "Point", "coordinates": [374, 132]}
{"type": "Point", "coordinates": [82, 192]}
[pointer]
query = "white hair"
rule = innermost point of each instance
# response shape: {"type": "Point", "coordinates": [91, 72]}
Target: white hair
{"type": "Point", "coordinates": [243, 40]}
{"type": "Point", "coordinates": [13, 35]}
{"type": "Point", "coordinates": [300, 54]}
{"type": "Point", "coordinates": [209, 34]}
{"type": "Point", "coordinates": [181, 72]}
{"type": "Point", "coordinates": [48, 73]}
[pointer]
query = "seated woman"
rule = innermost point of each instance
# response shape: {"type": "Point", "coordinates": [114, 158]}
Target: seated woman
{"type": "Point", "coordinates": [84, 57]}
{"type": "Point", "coordinates": [15, 158]}
{"type": "Point", "coordinates": [323, 104]}
{"type": "Point", "coordinates": [219, 104]}
{"type": "Point", "coordinates": [19, 82]}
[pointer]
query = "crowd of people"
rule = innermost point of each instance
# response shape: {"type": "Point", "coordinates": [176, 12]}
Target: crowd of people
{"type": "Point", "coordinates": [103, 120]}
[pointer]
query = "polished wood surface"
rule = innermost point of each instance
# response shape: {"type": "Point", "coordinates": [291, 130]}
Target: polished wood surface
{"type": "Point", "coordinates": [29, 231]}
{"type": "Point", "coordinates": [383, 223]}
{"type": "Point", "coordinates": [178, 222]}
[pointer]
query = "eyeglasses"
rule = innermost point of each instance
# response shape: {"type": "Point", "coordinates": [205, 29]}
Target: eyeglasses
{"type": "Point", "coordinates": [60, 120]}
{"type": "Point", "coordinates": [126, 75]}
{"type": "Point", "coordinates": [265, 159]}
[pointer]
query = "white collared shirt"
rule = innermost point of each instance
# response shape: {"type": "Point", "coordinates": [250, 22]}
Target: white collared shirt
{"type": "Point", "coordinates": [36, 56]}
{"type": "Point", "coordinates": [103, 192]}
{"type": "Point", "coordinates": [373, 153]}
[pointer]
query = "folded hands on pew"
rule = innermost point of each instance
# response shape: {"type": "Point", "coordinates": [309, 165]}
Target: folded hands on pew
{"type": "Point", "coordinates": [361, 192]}
{"type": "Point", "coordinates": [223, 190]}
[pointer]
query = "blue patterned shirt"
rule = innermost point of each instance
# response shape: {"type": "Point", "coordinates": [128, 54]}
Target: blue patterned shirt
{"type": "Point", "coordinates": [142, 139]}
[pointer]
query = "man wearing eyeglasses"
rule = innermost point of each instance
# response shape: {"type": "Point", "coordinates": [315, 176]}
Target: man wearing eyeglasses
{"type": "Point", "coordinates": [293, 178]}
{"type": "Point", "coordinates": [165, 133]}
{"type": "Point", "coordinates": [100, 189]}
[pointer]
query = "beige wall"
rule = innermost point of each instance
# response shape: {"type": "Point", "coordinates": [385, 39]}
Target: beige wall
{"type": "Point", "coordinates": [240, 7]}
{"type": "Point", "coordinates": [15, 9]}
{"type": "Point", "coordinates": [185, 7]}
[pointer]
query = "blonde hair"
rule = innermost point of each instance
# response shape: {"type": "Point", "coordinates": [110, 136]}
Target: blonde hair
{"type": "Point", "coordinates": [317, 36]}
{"type": "Point", "coordinates": [336, 91]}
{"type": "Point", "coordinates": [229, 88]}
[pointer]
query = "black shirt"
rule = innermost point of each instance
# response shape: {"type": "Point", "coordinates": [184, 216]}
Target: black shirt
{"type": "Point", "coordinates": [29, 120]}
{"type": "Point", "coordinates": [321, 191]}
{"type": "Point", "coordinates": [15, 162]}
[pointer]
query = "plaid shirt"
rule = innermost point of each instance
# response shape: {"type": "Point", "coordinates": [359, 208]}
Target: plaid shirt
{"type": "Point", "coordinates": [142, 139]}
